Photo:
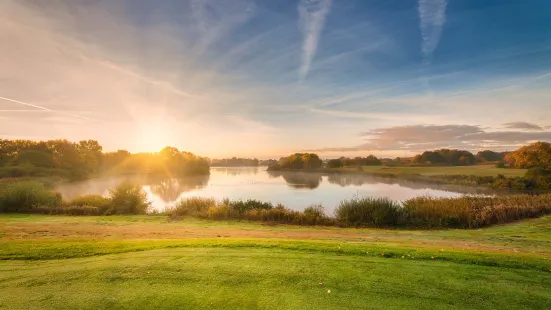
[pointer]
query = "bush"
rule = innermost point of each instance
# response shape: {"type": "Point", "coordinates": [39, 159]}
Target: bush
{"type": "Point", "coordinates": [365, 212]}
{"type": "Point", "coordinates": [23, 196]}
{"type": "Point", "coordinates": [128, 198]}
{"type": "Point", "coordinates": [103, 204]}
{"type": "Point", "coordinates": [315, 214]}
{"type": "Point", "coordinates": [500, 164]}
{"type": "Point", "coordinates": [242, 206]}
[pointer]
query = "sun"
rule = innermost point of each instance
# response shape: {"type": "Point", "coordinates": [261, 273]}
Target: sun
{"type": "Point", "coordinates": [154, 136]}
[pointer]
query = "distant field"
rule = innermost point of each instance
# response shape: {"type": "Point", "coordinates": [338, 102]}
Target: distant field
{"type": "Point", "coordinates": [478, 170]}
{"type": "Point", "coordinates": [145, 262]}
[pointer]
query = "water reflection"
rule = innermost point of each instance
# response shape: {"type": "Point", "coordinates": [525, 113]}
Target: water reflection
{"type": "Point", "coordinates": [345, 180]}
{"type": "Point", "coordinates": [295, 190]}
{"type": "Point", "coordinates": [298, 180]}
{"type": "Point", "coordinates": [169, 190]}
{"type": "Point", "coordinates": [237, 170]}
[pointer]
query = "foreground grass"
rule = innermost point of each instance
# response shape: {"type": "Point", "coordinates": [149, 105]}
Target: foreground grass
{"type": "Point", "coordinates": [203, 278]}
{"type": "Point", "coordinates": [148, 262]}
{"type": "Point", "coordinates": [476, 170]}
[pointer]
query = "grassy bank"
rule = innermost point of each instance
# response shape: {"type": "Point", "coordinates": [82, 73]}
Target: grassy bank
{"type": "Point", "coordinates": [476, 170]}
{"type": "Point", "coordinates": [420, 212]}
{"type": "Point", "coordinates": [145, 262]}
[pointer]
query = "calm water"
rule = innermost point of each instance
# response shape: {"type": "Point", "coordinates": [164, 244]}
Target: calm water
{"type": "Point", "coordinates": [296, 190]}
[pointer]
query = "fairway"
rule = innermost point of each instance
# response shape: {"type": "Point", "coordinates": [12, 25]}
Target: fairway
{"type": "Point", "coordinates": [199, 278]}
{"type": "Point", "coordinates": [144, 262]}
{"type": "Point", "coordinates": [477, 170]}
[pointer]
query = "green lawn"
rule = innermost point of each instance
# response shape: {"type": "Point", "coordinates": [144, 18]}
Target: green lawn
{"type": "Point", "coordinates": [478, 170]}
{"type": "Point", "coordinates": [144, 262]}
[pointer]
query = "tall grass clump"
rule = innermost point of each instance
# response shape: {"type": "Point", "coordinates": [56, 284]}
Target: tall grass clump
{"type": "Point", "coordinates": [102, 204]}
{"type": "Point", "coordinates": [67, 210]}
{"type": "Point", "coordinates": [250, 210]}
{"type": "Point", "coordinates": [23, 196]}
{"type": "Point", "coordinates": [473, 211]}
{"type": "Point", "coordinates": [194, 207]}
{"type": "Point", "coordinates": [127, 198]}
{"type": "Point", "coordinates": [367, 212]}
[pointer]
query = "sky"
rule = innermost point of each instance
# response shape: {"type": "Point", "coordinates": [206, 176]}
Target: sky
{"type": "Point", "coordinates": [265, 78]}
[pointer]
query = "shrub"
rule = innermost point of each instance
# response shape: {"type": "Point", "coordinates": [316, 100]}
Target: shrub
{"type": "Point", "coordinates": [242, 206]}
{"type": "Point", "coordinates": [370, 211]}
{"type": "Point", "coordinates": [23, 196]}
{"type": "Point", "coordinates": [314, 214]}
{"type": "Point", "coordinates": [128, 198]}
{"type": "Point", "coordinates": [500, 164]}
{"type": "Point", "coordinates": [103, 204]}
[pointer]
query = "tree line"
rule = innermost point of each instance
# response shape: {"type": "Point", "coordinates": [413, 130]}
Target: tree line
{"type": "Point", "coordinates": [241, 162]}
{"type": "Point", "coordinates": [76, 160]}
{"type": "Point", "coordinates": [535, 155]}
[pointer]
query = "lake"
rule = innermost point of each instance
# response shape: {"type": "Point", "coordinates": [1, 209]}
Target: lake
{"type": "Point", "coordinates": [295, 190]}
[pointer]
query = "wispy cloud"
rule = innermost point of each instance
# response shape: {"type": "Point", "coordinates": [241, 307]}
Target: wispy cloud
{"type": "Point", "coordinates": [419, 138]}
{"type": "Point", "coordinates": [312, 19]}
{"type": "Point", "coordinates": [432, 17]}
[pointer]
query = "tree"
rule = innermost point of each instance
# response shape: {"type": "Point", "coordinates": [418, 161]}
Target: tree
{"type": "Point", "coordinates": [534, 155]}
{"type": "Point", "coordinates": [487, 155]}
{"type": "Point", "coordinates": [334, 163]}
{"type": "Point", "coordinates": [299, 161]}
{"type": "Point", "coordinates": [445, 157]}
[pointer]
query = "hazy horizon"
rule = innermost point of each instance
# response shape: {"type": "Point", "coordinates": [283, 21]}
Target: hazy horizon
{"type": "Point", "coordinates": [263, 79]}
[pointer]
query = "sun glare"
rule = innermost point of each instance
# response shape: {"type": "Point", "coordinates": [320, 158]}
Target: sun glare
{"type": "Point", "coordinates": [154, 136]}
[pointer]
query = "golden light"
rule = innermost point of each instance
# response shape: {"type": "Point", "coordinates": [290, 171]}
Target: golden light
{"type": "Point", "coordinates": [154, 136]}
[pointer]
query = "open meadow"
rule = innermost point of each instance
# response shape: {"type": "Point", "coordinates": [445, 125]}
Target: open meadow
{"type": "Point", "coordinates": [151, 262]}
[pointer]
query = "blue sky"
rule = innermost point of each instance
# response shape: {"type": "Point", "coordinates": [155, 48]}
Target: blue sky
{"type": "Point", "coordinates": [268, 77]}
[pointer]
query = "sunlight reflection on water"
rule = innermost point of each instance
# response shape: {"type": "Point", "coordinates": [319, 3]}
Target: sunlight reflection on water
{"type": "Point", "coordinates": [295, 190]}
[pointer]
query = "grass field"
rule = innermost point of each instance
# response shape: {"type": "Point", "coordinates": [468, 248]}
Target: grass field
{"type": "Point", "coordinates": [53, 262]}
{"type": "Point", "coordinates": [477, 170]}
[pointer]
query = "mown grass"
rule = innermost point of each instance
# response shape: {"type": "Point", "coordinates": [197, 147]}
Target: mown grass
{"type": "Point", "coordinates": [245, 278]}
{"type": "Point", "coordinates": [396, 269]}
{"type": "Point", "coordinates": [476, 170]}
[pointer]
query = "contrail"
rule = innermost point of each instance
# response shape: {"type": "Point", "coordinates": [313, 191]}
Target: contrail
{"type": "Point", "coordinates": [44, 109]}
{"type": "Point", "coordinates": [432, 17]}
{"type": "Point", "coordinates": [312, 18]}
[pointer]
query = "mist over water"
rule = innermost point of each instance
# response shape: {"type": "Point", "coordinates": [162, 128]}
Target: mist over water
{"type": "Point", "coordinates": [295, 190]}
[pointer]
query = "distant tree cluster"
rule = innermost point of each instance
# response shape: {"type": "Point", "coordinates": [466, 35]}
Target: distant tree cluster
{"type": "Point", "coordinates": [71, 159]}
{"type": "Point", "coordinates": [489, 156]}
{"type": "Point", "coordinates": [298, 161]}
{"type": "Point", "coordinates": [535, 155]}
{"type": "Point", "coordinates": [235, 162]}
{"type": "Point", "coordinates": [169, 161]}
{"type": "Point", "coordinates": [241, 162]}
{"type": "Point", "coordinates": [370, 160]}
{"type": "Point", "coordinates": [76, 160]}
{"type": "Point", "coordinates": [445, 157]}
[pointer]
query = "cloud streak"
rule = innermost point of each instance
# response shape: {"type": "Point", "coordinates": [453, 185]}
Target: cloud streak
{"type": "Point", "coordinates": [42, 108]}
{"type": "Point", "coordinates": [522, 126]}
{"type": "Point", "coordinates": [432, 17]}
{"type": "Point", "coordinates": [312, 19]}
